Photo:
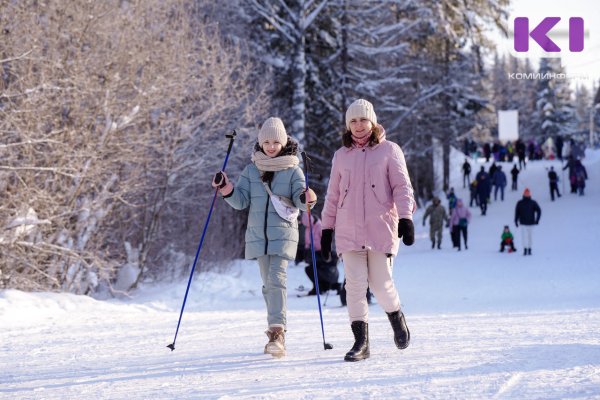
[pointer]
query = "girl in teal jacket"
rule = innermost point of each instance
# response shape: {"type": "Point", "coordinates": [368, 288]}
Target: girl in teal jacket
{"type": "Point", "coordinates": [270, 239]}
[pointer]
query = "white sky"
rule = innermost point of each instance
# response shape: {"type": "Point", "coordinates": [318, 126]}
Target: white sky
{"type": "Point", "coordinates": [585, 63]}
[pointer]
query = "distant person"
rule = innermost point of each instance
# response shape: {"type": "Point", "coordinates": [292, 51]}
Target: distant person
{"type": "Point", "coordinates": [327, 270]}
{"type": "Point", "coordinates": [571, 163]}
{"type": "Point", "coordinates": [451, 196]}
{"type": "Point", "coordinates": [487, 152]}
{"type": "Point", "coordinates": [459, 221]}
{"type": "Point", "coordinates": [514, 172]}
{"type": "Point", "coordinates": [559, 146]}
{"type": "Point", "coordinates": [527, 214]}
{"type": "Point", "coordinates": [466, 168]}
{"type": "Point", "coordinates": [492, 170]}
{"type": "Point", "coordinates": [507, 239]}
{"type": "Point", "coordinates": [580, 177]}
{"type": "Point", "coordinates": [436, 222]}
{"type": "Point", "coordinates": [499, 182]}
{"type": "Point", "coordinates": [473, 193]}
{"type": "Point", "coordinates": [521, 150]}
{"type": "Point", "coordinates": [553, 180]}
{"type": "Point", "coordinates": [483, 189]}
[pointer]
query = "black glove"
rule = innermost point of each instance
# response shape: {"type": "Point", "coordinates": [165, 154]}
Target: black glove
{"type": "Point", "coordinates": [219, 180]}
{"type": "Point", "coordinates": [326, 238]}
{"type": "Point", "coordinates": [517, 224]}
{"type": "Point", "coordinates": [406, 231]}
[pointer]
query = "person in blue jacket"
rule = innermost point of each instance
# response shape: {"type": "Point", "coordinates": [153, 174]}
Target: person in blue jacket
{"type": "Point", "coordinates": [270, 237]}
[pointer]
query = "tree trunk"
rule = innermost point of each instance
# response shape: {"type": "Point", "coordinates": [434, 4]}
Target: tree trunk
{"type": "Point", "coordinates": [299, 95]}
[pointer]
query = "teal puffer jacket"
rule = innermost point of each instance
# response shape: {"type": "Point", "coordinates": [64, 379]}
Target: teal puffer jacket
{"type": "Point", "coordinates": [267, 232]}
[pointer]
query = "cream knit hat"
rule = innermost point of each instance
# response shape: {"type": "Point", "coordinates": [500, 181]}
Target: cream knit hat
{"type": "Point", "coordinates": [272, 129]}
{"type": "Point", "coordinates": [361, 108]}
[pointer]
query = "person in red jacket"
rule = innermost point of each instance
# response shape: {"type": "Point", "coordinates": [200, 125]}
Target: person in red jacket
{"type": "Point", "coordinates": [369, 206]}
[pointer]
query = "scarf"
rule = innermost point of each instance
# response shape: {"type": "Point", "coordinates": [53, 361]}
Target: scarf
{"type": "Point", "coordinates": [361, 142]}
{"type": "Point", "coordinates": [265, 163]}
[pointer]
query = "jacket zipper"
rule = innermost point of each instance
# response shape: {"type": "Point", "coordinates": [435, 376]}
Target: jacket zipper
{"type": "Point", "coordinates": [266, 217]}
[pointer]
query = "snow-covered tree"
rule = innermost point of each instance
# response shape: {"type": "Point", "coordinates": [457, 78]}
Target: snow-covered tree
{"type": "Point", "coordinates": [554, 111]}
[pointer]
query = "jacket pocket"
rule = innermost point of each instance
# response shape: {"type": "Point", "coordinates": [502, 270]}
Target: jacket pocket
{"type": "Point", "coordinates": [380, 186]}
{"type": "Point", "coordinates": [344, 187]}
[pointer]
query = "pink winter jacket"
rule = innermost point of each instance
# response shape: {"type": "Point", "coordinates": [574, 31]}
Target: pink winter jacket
{"type": "Point", "coordinates": [460, 212]}
{"type": "Point", "coordinates": [369, 191]}
{"type": "Point", "coordinates": [316, 228]}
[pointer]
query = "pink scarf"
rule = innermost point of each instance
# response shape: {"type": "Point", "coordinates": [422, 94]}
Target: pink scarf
{"type": "Point", "coordinates": [361, 142]}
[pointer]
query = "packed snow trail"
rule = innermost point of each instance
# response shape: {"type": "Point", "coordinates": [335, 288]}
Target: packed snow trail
{"type": "Point", "coordinates": [483, 324]}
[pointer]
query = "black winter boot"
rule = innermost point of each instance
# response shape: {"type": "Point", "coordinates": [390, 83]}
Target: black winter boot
{"type": "Point", "coordinates": [360, 350]}
{"type": "Point", "coordinates": [401, 332]}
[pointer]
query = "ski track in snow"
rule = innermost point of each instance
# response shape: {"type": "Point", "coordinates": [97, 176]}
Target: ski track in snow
{"type": "Point", "coordinates": [483, 324]}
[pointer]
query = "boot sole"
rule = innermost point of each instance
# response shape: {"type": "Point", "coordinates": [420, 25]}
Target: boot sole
{"type": "Point", "coordinates": [276, 353]}
{"type": "Point", "coordinates": [354, 359]}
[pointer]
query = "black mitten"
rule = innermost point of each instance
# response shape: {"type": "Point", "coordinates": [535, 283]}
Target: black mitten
{"type": "Point", "coordinates": [406, 231]}
{"type": "Point", "coordinates": [219, 180]}
{"type": "Point", "coordinates": [326, 238]}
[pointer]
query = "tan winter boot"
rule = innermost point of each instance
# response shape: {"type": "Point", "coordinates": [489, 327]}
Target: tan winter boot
{"type": "Point", "coordinates": [276, 345]}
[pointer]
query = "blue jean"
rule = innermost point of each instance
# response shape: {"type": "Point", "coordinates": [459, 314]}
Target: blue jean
{"type": "Point", "coordinates": [273, 271]}
{"type": "Point", "coordinates": [501, 193]}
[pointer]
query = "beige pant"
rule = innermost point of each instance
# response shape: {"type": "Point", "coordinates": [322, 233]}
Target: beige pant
{"type": "Point", "coordinates": [373, 270]}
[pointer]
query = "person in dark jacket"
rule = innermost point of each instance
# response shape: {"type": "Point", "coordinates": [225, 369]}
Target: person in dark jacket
{"type": "Point", "coordinates": [483, 189]}
{"type": "Point", "coordinates": [580, 176]}
{"type": "Point", "coordinates": [571, 162]}
{"type": "Point", "coordinates": [553, 178]}
{"type": "Point", "coordinates": [473, 193]}
{"type": "Point", "coordinates": [515, 176]}
{"type": "Point", "coordinates": [499, 181]}
{"type": "Point", "coordinates": [527, 214]}
{"type": "Point", "coordinates": [466, 168]}
{"type": "Point", "coordinates": [451, 196]}
{"type": "Point", "coordinates": [520, 147]}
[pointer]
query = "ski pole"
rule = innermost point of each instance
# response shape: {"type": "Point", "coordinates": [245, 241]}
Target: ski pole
{"type": "Point", "coordinates": [305, 159]}
{"type": "Point", "coordinates": [231, 137]}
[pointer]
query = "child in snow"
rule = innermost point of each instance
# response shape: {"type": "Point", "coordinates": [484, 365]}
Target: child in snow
{"type": "Point", "coordinates": [327, 271]}
{"type": "Point", "coordinates": [507, 240]}
{"type": "Point", "coordinates": [270, 238]}
{"type": "Point", "coordinates": [369, 206]}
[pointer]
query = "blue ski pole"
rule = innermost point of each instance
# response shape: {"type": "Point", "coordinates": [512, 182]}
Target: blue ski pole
{"type": "Point", "coordinates": [326, 346]}
{"type": "Point", "coordinates": [231, 137]}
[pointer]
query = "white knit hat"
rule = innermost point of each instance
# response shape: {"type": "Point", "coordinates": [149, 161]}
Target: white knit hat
{"type": "Point", "coordinates": [361, 108]}
{"type": "Point", "coordinates": [272, 129]}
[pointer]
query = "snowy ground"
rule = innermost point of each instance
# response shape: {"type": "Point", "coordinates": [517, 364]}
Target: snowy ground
{"type": "Point", "coordinates": [484, 324]}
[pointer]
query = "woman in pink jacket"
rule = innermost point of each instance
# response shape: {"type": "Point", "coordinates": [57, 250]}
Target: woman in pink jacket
{"type": "Point", "coordinates": [369, 206]}
{"type": "Point", "coordinates": [459, 221]}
